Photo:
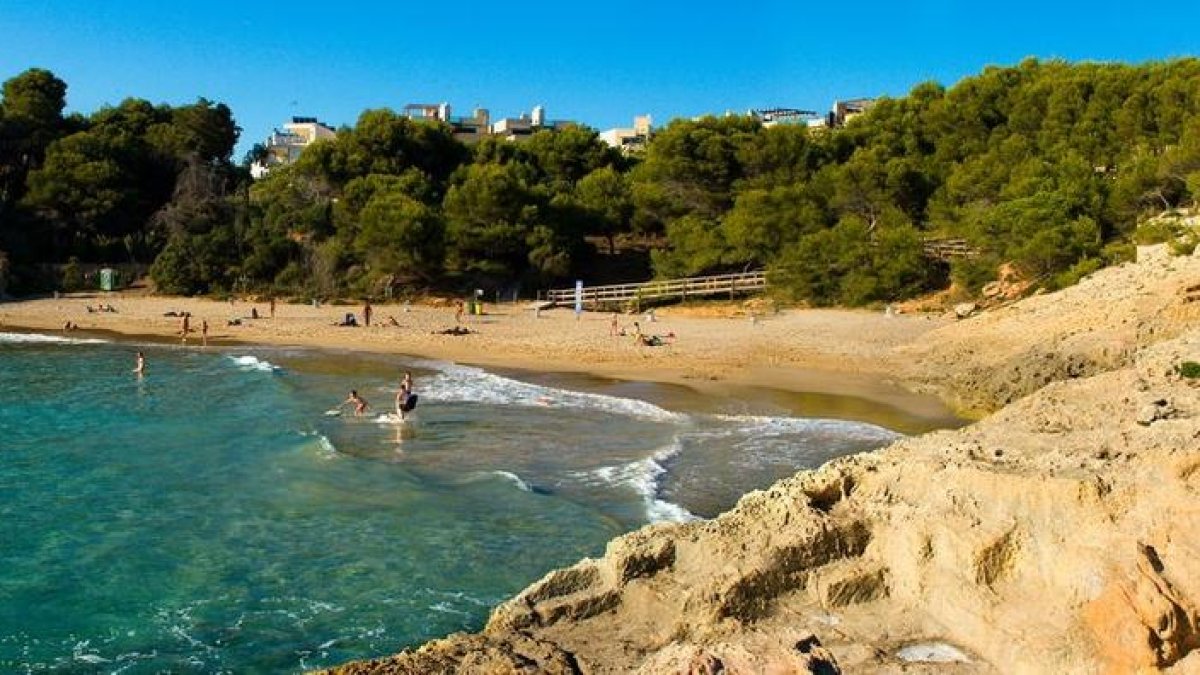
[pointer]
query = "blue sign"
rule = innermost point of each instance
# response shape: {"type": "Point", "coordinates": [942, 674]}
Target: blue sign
{"type": "Point", "coordinates": [578, 297]}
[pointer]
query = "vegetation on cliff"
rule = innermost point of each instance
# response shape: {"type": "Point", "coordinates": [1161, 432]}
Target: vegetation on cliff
{"type": "Point", "coordinates": [1047, 165]}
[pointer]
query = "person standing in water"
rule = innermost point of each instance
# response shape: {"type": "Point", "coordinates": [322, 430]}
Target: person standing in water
{"type": "Point", "coordinates": [140, 369]}
{"type": "Point", "coordinates": [360, 403]}
{"type": "Point", "coordinates": [406, 400]}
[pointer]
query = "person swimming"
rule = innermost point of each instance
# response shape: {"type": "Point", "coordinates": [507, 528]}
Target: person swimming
{"type": "Point", "coordinates": [360, 403]}
{"type": "Point", "coordinates": [140, 369]}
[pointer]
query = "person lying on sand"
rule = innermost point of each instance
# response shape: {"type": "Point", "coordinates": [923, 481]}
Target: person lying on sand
{"type": "Point", "coordinates": [456, 330]}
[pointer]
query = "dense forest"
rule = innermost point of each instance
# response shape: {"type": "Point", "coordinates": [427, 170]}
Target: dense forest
{"type": "Point", "coordinates": [1046, 166]}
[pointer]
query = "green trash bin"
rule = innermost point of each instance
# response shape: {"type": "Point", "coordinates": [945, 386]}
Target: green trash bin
{"type": "Point", "coordinates": [477, 308]}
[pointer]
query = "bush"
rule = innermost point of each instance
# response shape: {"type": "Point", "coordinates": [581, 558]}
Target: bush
{"type": "Point", "coordinates": [1190, 370]}
{"type": "Point", "coordinates": [72, 276]}
{"type": "Point", "coordinates": [1077, 271]}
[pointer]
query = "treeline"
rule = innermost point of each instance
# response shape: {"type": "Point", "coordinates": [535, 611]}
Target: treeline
{"type": "Point", "coordinates": [1046, 165]}
{"type": "Point", "coordinates": [94, 188]}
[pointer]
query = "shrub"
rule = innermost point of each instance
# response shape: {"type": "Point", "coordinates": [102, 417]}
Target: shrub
{"type": "Point", "coordinates": [1190, 370]}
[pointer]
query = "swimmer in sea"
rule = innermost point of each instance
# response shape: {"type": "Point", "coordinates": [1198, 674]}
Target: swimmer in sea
{"type": "Point", "coordinates": [141, 365]}
{"type": "Point", "coordinates": [360, 403]}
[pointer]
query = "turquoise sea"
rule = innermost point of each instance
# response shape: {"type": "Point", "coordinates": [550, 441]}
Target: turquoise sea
{"type": "Point", "coordinates": [210, 517]}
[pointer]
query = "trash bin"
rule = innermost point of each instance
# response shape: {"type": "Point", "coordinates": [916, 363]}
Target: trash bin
{"type": "Point", "coordinates": [477, 308]}
{"type": "Point", "coordinates": [108, 279]}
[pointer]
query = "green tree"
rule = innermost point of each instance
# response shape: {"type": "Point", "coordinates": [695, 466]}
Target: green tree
{"type": "Point", "coordinates": [605, 194]}
{"type": "Point", "coordinates": [401, 235]}
{"type": "Point", "coordinates": [489, 216]}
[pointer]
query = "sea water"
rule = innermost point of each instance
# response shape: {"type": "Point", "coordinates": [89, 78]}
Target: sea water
{"type": "Point", "coordinates": [209, 516]}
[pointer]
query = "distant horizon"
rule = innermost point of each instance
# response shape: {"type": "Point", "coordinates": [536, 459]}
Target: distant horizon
{"type": "Point", "coordinates": [599, 65]}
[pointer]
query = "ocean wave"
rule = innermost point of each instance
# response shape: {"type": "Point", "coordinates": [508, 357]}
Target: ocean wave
{"type": "Point", "coordinates": [325, 447]}
{"type": "Point", "coordinates": [475, 385]}
{"type": "Point", "coordinates": [645, 476]}
{"type": "Point", "coordinates": [498, 473]}
{"type": "Point", "coordinates": [38, 338]}
{"type": "Point", "coordinates": [786, 426]}
{"type": "Point", "coordinates": [253, 363]}
{"type": "Point", "coordinates": [516, 480]}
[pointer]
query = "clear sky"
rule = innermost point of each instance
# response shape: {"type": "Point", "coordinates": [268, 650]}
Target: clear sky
{"type": "Point", "coordinates": [599, 63]}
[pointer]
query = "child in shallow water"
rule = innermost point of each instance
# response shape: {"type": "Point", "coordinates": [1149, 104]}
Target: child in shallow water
{"type": "Point", "coordinates": [360, 403]}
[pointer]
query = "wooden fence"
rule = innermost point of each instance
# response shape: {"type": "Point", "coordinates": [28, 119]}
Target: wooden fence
{"type": "Point", "coordinates": [682, 289]}
{"type": "Point", "coordinates": [720, 284]}
{"type": "Point", "coordinates": [945, 249]}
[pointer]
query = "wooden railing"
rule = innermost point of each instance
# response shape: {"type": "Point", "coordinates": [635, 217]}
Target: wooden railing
{"type": "Point", "coordinates": [692, 287]}
{"type": "Point", "coordinates": [945, 249]}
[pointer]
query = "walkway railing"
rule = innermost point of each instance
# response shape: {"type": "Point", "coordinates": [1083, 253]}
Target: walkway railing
{"type": "Point", "coordinates": [691, 287]}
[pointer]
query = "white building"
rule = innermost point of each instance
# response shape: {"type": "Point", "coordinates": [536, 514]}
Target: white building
{"type": "Point", "coordinates": [284, 147]}
{"type": "Point", "coordinates": [517, 128]}
{"type": "Point", "coordinates": [627, 140]}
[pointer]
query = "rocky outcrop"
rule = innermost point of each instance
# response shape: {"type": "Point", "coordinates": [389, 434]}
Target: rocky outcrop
{"type": "Point", "coordinates": [990, 360]}
{"type": "Point", "coordinates": [1060, 534]}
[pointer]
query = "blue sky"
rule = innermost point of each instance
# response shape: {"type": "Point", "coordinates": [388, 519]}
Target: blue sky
{"type": "Point", "coordinates": [597, 63]}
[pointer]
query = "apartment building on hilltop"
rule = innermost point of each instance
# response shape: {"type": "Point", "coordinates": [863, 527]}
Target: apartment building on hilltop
{"type": "Point", "coordinates": [630, 139]}
{"type": "Point", "coordinates": [465, 129]}
{"type": "Point", "coordinates": [284, 146]}
{"type": "Point", "coordinates": [480, 125]}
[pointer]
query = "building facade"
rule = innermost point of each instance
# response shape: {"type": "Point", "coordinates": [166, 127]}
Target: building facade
{"type": "Point", "coordinates": [630, 139]}
{"type": "Point", "coordinates": [284, 146]}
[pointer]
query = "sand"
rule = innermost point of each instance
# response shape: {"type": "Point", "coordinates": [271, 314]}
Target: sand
{"type": "Point", "coordinates": [839, 352]}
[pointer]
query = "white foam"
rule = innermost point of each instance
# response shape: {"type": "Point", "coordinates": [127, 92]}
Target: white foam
{"type": "Point", "coordinates": [475, 385]}
{"type": "Point", "coordinates": [933, 652]}
{"type": "Point", "coordinates": [515, 479]}
{"type": "Point", "coordinates": [645, 477]}
{"type": "Point", "coordinates": [389, 418]}
{"type": "Point", "coordinates": [38, 338]}
{"type": "Point", "coordinates": [325, 447]}
{"type": "Point", "coordinates": [251, 363]}
{"type": "Point", "coordinates": [779, 426]}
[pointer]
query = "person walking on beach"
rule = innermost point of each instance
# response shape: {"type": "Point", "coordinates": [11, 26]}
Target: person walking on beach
{"type": "Point", "coordinates": [367, 313]}
{"type": "Point", "coordinates": [613, 328]}
{"type": "Point", "coordinates": [140, 368]}
{"type": "Point", "coordinates": [184, 326]}
{"type": "Point", "coordinates": [458, 312]}
{"type": "Point", "coordinates": [204, 332]}
{"type": "Point", "coordinates": [360, 403]}
{"type": "Point", "coordinates": [272, 307]}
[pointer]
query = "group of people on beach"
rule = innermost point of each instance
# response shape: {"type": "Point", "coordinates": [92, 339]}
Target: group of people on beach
{"type": "Point", "coordinates": [406, 400]}
{"type": "Point", "coordinates": [639, 338]}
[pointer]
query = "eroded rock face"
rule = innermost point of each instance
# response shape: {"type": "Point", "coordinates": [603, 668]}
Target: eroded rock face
{"type": "Point", "coordinates": [1060, 534]}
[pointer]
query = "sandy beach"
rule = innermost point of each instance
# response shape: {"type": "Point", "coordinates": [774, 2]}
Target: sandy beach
{"type": "Point", "coordinates": [715, 346]}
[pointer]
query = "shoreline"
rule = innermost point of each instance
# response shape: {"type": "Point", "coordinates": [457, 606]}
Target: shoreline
{"type": "Point", "coordinates": [717, 352]}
